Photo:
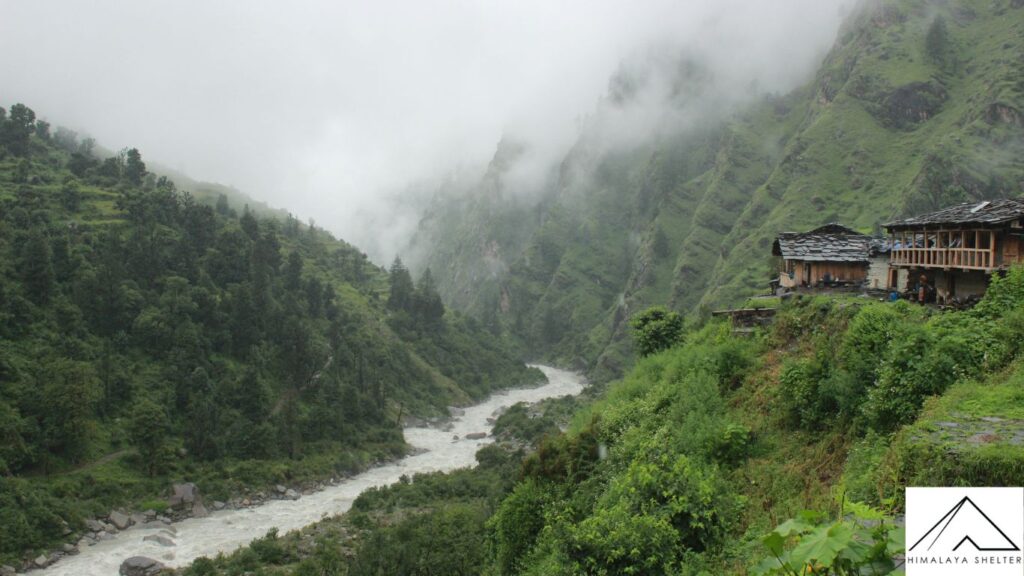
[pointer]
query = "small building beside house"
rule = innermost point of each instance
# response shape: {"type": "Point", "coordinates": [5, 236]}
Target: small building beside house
{"type": "Point", "coordinates": [958, 248]}
{"type": "Point", "coordinates": [830, 254]}
{"type": "Point", "coordinates": [880, 275]}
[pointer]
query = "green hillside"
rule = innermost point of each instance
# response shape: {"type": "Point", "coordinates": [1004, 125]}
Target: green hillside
{"type": "Point", "coordinates": [149, 336]}
{"type": "Point", "coordinates": [918, 105]}
{"type": "Point", "coordinates": [716, 454]}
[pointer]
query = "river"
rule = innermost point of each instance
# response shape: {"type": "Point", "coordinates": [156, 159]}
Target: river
{"type": "Point", "coordinates": [227, 530]}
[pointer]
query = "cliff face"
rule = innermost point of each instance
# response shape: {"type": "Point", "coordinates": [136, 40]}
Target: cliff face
{"type": "Point", "coordinates": [918, 105]}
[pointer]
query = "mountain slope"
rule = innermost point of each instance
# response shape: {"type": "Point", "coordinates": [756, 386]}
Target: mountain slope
{"type": "Point", "coordinates": [917, 105]}
{"type": "Point", "coordinates": [147, 336]}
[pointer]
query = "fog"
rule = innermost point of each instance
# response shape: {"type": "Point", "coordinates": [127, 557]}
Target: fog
{"type": "Point", "coordinates": [325, 109]}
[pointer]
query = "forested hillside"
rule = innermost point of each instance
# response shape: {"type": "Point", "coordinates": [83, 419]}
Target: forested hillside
{"type": "Point", "coordinates": [781, 452]}
{"type": "Point", "coordinates": [149, 335]}
{"type": "Point", "coordinates": [918, 105]}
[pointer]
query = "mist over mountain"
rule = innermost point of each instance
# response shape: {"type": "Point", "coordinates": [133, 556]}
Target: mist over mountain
{"type": "Point", "coordinates": [680, 179]}
{"type": "Point", "coordinates": [331, 111]}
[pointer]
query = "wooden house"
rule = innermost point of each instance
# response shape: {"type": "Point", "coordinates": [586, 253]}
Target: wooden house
{"type": "Point", "coordinates": [958, 248]}
{"type": "Point", "coordinates": [830, 254]}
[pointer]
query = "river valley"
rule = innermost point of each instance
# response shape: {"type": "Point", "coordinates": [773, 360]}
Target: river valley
{"type": "Point", "coordinates": [227, 530]}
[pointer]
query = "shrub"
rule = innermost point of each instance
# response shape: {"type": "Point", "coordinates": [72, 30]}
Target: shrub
{"type": "Point", "coordinates": [1003, 294]}
{"type": "Point", "coordinates": [29, 516]}
{"type": "Point", "coordinates": [799, 382]}
{"type": "Point", "coordinates": [514, 527]}
{"type": "Point", "coordinates": [734, 444]}
{"type": "Point", "coordinates": [926, 360]}
{"type": "Point", "coordinates": [656, 329]}
{"type": "Point", "coordinates": [903, 382]}
{"type": "Point", "coordinates": [691, 496]}
{"type": "Point", "coordinates": [616, 541]}
{"type": "Point", "coordinates": [445, 541]}
{"type": "Point", "coordinates": [269, 549]}
{"type": "Point", "coordinates": [860, 355]}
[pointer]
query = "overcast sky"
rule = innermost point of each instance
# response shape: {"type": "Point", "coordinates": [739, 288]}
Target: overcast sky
{"type": "Point", "coordinates": [318, 106]}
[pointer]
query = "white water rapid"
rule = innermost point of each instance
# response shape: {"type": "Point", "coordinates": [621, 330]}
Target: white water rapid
{"type": "Point", "coordinates": [227, 530]}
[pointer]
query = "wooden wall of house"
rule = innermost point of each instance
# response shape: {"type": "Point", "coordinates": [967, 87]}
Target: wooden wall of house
{"type": "Point", "coordinates": [840, 271]}
{"type": "Point", "coordinates": [1012, 247]}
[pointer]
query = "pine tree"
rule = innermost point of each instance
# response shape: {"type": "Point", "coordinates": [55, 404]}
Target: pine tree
{"type": "Point", "coordinates": [429, 308]}
{"type": "Point", "coordinates": [293, 272]}
{"type": "Point", "coordinates": [37, 267]}
{"type": "Point", "coordinates": [402, 289]}
{"type": "Point", "coordinates": [249, 223]}
{"type": "Point", "coordinates": [148, 430]}
{"type": "Point", "coordinates": [18, 129]}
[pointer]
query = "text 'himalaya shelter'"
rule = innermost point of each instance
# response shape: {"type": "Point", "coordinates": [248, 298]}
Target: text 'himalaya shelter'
{"type": "Point", "coordinates": [830, 254]}
{"type": "Point", "coordinates": [959, 247]}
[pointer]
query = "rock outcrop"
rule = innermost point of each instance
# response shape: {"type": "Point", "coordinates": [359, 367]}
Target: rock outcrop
{"type": "Point", "coordinates": [140, 566]}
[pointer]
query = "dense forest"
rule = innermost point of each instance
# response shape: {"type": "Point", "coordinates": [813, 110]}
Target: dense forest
{"type": "Point", "coordinates": [716, 454]}
{"type": "Point", "coordinates": [918, 105]}
{"type": "Point", "coordinates": [149, 335]}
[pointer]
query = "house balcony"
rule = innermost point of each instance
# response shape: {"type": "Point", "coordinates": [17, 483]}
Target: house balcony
{"type": "Point", "coordinates": [965, 258]}
{"type": "Point", "coordinates": [945, 249]}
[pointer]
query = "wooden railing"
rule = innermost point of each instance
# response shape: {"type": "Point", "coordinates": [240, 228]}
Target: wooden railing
{"type": "Point", "coordinates": [966, 249]}
{"type": "Point", "coordinates": [973, 258]}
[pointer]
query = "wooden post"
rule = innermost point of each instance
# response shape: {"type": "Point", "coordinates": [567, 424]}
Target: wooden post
{"type": "Point", "coordinates": [992, 248]}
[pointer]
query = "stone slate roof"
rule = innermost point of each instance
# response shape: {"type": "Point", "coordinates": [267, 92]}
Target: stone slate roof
{"type": "Point", "coordinates": [989, 213]}
{"type": "Point", "coordinates": [829, 243]}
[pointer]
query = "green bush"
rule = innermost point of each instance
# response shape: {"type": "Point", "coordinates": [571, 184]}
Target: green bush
{"type": "Point", "coordinates": [29, 516]}
{"type": "Point", "coordinates": [515, 526]}
{"type": "Point", "coordinates": [690, 495]}
{"type": "Point", "coordinates": [656, 329]}
{"type": "Point", "coordinates": [616, 541]}
{"type": "Point", "coordinates": [269, 549]}
{"type": "Point", "coordinates": [799, 383]}
{"type": "Point", "coordinates": [449, 541]}
{"type": "Point", "coordinates": [924, 360]}
{"type": "Point", "coordinates": [860, 355]}
{"type": "Point", "coordinates": [1003, 294]}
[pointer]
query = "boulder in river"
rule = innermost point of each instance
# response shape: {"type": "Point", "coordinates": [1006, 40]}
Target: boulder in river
{"type": "Point", "coordinates": [199, 511]}
{"type": "Point", "coordinates": [476, 435]}
{"type": "Point", "coordinates": [41, 561]}
{"type": "Point", "coordinates": [140, 566]}
{"type": "Point", "coordinates": [291, 494]}
{"type": "Point", "coordinates": [119, 520]}
{"type": "Point", "coordinates": [159, 539]}
{"type": "Point", "coordinates": [94, 525]}
{"type": "Point", "coordinates": [186, 493]}
{"type": "Point", "coordinates": [6, 570]}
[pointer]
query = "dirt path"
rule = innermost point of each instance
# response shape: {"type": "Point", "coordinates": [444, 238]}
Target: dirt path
{"type": "Point", "coordinates": [99, 462]}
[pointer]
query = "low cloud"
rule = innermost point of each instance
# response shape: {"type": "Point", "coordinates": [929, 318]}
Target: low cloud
{"type": "Point", "coordinates": [327, 109]}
